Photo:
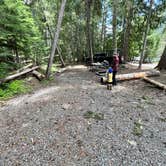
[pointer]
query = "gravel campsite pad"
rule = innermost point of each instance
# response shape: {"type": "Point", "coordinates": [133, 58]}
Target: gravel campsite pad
{"type": "Point", "coordinates": [78, 122]}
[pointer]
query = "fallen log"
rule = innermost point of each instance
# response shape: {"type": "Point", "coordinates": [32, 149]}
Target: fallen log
{"type": "Point", "coordinates": [24, 68]}
{"type": "Point", "coordinates": [27, 61]}
{"type": "Point", "coordinates": [14, 76]}
{"type": "Point", "coordinates": [160, 85]}
{"type": "Point", "coordinates": [38, 75]}
{"type": "Point", "coordinates": [122, 77]}
{"type": "Point", "coordinates": [130, 76]}
{"type": "Point", "coordinates": [21, 69]}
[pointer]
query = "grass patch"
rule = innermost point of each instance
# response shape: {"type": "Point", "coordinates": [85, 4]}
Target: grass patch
{"type": "Point", "coordinates": [141, 107]}
{"type": "Point", "coordinates": [13, 88]}
{"type": "Point", "coordinates": [148, 100]}
{"type": "Point", "coordinates": [138, 128]}
{"type": "Point", "coordinates": [145, 98]}
{"type": "Point", "coordinates": [93, 115]}
{"type": "Point", "coordinates": [162, 119]}
{"type": "Point", "coordinates": [47, 81]}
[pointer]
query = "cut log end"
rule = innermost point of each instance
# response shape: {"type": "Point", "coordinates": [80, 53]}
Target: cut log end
{"type": "Point", "coordinates": [38, 75]}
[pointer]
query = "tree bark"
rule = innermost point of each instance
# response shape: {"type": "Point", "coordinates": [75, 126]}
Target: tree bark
{"type": "Point", "coordinates": [115, 26]}
{"type": "Point", "coordinates": [60, 57]}
{"type": "Point", "coordinates": [162, 63]}
{"type": "Point", "coordinates": [56, 37]}
{"type": "Point", "coordinates": [103, 29]}
{"type": "Point", "coordinates": [16, 52]}
{"type": "Point", "coordinates": [58, 48]}
{"type": "Point", "coordinates": [127, 30]}
{"type": "Point", "coordinates": [88, 29]}
{"type": "Point", "coordinates": [145, 35]}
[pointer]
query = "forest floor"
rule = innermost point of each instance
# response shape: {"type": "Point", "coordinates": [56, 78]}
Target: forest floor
{"type": "Point", "coordinates": [78, 122]}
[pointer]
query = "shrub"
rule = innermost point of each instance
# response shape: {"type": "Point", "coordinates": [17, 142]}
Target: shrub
{"type": "Point", "coordinates": [13, 88]}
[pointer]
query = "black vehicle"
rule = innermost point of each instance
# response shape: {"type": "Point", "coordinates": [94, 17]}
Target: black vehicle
{"type": "Point", "coordinates": [101, 56]}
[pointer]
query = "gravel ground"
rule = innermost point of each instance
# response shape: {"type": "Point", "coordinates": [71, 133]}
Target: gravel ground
{"type": "Point", "coordinates": [49, 127]}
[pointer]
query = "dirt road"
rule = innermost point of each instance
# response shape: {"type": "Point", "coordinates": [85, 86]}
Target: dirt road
{"type": "Point", "coordinates": [49, 127]}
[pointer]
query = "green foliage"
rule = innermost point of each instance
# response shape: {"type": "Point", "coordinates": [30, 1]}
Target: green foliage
{"type": "Point", "coordinates": [162, 119]}
{"type": "Point", "coordinates": [153, 43]}
{"type": "Point", "coordinates": [18, 29]}
{"type": "Point", "coordinates": [29, 29]}
{"type": "Point", "coordinates": [6, 68]}
{"type": "Point", "coordinates": [54, 67]}
{"type": "Point", "coordinates": [94, 115]}
{"type": "Point", "coordinates": [11, 89]}
{"type": "Point", "coordinates": [138, 128]}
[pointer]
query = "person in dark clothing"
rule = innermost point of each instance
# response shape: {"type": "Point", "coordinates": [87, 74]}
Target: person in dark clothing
{"type": "Point", "coordinates": [115, 67]}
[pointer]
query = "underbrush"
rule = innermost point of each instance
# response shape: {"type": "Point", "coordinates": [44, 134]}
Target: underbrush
{"type": "Point", "coordinates": [13, 88]}
{"type": "Point", "coordinates": [6, 68]}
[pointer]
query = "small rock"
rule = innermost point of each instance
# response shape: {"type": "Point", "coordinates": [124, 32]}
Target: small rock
{"type": "Point", "coordinates": [25, 125]}
{"type": "Point", "coordinates": [65, 106]}
{"type": "Point", "coordinates": [93, 102]}
{"type": "Point", "coordinates": [2, 103]}
{"type": "Point", "coordinates": [132, 143]}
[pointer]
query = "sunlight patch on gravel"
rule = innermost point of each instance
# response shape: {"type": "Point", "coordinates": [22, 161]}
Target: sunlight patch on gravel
{"type": "Point", "coordinates": [119, 88]}
{"type": "Point", "coordinates": [44, 92]}
{"type": "Point", "coordinates": [78, 67]}
{"type": "Point", "coordinates": [37, 96]}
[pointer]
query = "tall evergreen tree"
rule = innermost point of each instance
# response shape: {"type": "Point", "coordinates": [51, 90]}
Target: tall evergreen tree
{"type": "Point", "coordinates": [18, 30]}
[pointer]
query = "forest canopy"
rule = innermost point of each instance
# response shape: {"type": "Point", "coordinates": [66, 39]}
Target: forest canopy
{"type": "Point", "coordinates": [133, 28]}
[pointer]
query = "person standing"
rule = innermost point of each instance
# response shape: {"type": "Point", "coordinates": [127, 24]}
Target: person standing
{"type": "Point", "coordinates": [115, 67]}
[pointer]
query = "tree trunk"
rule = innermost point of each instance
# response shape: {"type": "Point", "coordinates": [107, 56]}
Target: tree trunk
{"type": "Point", "coordinates": [55, 42]}
{"type": "Point", "coordinates": [103, 29]}
{"type": "Point", "coordinates": [60, 56]}
{"type": "Point", "coordinates": [88, 29]}
{"type": "Point", "coordinates": [115, 26]}
{"type": "Point", "coordinates": [145, 35]}
{"type": "Point", "coordinates": [93, 29]}
{"type": "Point", "coordinates": [17, 60]}
{"type": "Point", "coordinates": [127, 30]}
{"type": "Point", "coordinates": [58, 48]}
{"type": "Point", "coordinates": [162, 63]}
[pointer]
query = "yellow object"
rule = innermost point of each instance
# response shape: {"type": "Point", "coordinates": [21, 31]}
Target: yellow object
{"type": "Point", "coordinates": [109, 77]}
